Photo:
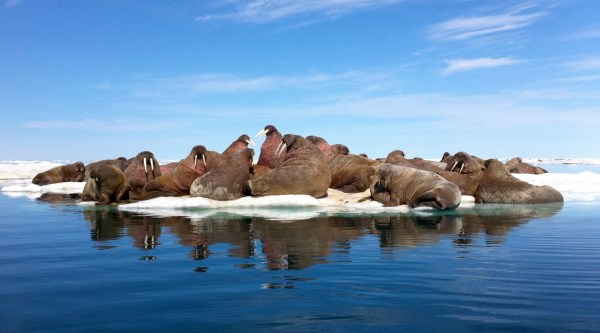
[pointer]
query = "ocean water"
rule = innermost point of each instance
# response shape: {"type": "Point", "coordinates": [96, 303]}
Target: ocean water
{"type": "Point", "coordinates": [68, 267]}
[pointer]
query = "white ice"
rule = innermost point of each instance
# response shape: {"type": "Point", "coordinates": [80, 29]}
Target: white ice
{"type": "Point", "coordinates": [15, 179]}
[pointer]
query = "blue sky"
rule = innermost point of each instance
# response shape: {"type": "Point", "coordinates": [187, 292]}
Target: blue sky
{"type": "Point", "coordinates": [88, 80]}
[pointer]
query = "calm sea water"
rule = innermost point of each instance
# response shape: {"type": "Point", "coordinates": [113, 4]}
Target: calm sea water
{"type": "Point", "coordinates": [491, 268]}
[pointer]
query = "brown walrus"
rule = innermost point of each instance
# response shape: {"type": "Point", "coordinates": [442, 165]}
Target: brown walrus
{"type": "Point", "coordinates": [463, 170]}
{"type": "Point", "coordinates": [395, 185]}
{"type": "Point", "coordinates": [397, 157]}
{"type": "Point", "coordinates": [516, 165]}
{"type": "Point", "coordinates": [121, 163]}
{"type": "Point", "coordinates": [178, 181]}
{"type": "Point", "coordinates": [105, 185]}
{"type": "Point", "coordinates": [73, 172]}
{"type": "Point", "coordinates": [303, 171]}
{"type": "Point", "coordinates": [349, 173]}
{"type": "Point", "coordinates": [228, 182]}
{"type": "Point", "coordinates": [268, 159]}
{"type": "Point", "coordinates": [239, 144]}
{"type": "Point", "coordinates": [497, 185]}
{"type": "Point", "coordinates": [143, 168]}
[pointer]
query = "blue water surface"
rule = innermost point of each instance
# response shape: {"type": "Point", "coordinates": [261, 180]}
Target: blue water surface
{"type": "Point", "coordinates": [491, 268]}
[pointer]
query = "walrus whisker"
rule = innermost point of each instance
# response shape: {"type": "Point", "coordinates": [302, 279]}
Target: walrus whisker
{"type": "Point", "coordinates": [145, 166]}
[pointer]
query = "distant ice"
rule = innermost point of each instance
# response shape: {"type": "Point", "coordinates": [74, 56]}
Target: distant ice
{"type": "Point", "coordinates": [15, 179]}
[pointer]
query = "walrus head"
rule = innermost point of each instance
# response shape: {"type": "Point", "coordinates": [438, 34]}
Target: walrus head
{"type": "Point", "coordinates": [463, 163]}
{"type": "Point", "coordinates": [287, 143]}
{"type": "Point", "coordinates": [268, 131]}
{"type": "Point", "coordinates": [395, 156]}
{"type": "Point", "coordinates": [379, 192]}
{"type": "Point", "coordinates": [149, 163]}
{"type": "Point", "coordinates": [244, 138]}
{"type": "Point", "coordinates": [199, 152]}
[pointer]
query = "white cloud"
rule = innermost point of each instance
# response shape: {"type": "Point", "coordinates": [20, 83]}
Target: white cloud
{"type": "Point", "coordinates": [263, 11]}
{"type": "Point", "coordinates": [470, 27]}
{"type": "Point", "coordinates": [218, 83]}
{"type": "Point", "coordinates": [589, 34]}
{"type": "Point", "coordinates": [461, 65]}
{"type": "Point", "coordinates": [95, 125]}
{"type": "Point", "coordinates": [586, 64]}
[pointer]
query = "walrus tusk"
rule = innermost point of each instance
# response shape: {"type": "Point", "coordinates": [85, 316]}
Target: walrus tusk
{"type": "Point", "coordinates": [461, 168]}
{"type": "Point", "coordinates": [152, 165]}
{"type": "Point", "coordinates": [250, 142]}
{"type": "Point", "coordinates": [97, 180]}
{"type": "Point", "coordinates": [454, 166]}
{"type": "Point", "coordinates": [145, 166]}
{"type": "Point", "coordinates": [204, 160]}
{"type": "Point", "coordinates": [195, 161]}
{"type": "Point", "coordinates": [262, 132]}
{"type": "Point", "coordinates": [280, 148]}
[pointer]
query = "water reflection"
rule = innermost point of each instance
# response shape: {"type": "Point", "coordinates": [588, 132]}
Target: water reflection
{"type": "Point", "coordinates": [295, 245]}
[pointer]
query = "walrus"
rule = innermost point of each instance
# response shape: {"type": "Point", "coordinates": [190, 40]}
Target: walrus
{"type": "Point", "coordinates": [303, 171]}
{"type": "Point", "coordinates": [268, 159]}
{"type": "Point", "coordinates": [228, 182]}
{"type": "Point", "coordinates": [349, 173]}
{"type": "Point", "coordinates": [143, 168]}
{"type": "Point", "coordinates": [105, 185]}
{"type": "Point", "coordinates": [239, 144]}
{"type": "Point", "coordinates": [73, 172]}
{"type": "Point", "coordinates": [463, 170]}
{"type": "Point", "coordinates": [497, 185]}
{"type": "Point", "coordinates": [340, 148]}
{"type": "Point", "coordinates": [178, 181]}
{"type": "Point", "coordinates": [397, 157]}
{"type": "Point", "coordinates": [395, 185]}
{"type": "Point", "coordinates": [525, 167]}
{"type": "Point", "coordinates": [120, 162]}
{"type": "Point", "coordinates": [516, 165]}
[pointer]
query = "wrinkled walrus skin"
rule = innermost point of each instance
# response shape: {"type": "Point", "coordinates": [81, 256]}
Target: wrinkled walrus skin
{"type": "Point", "coordinates": [395, 185]}
{"type": "Point", "coordinates": [105, 185]}
{"type": "Point", "coordinates": [303, 171]}
{"type": "Point", "coordinates": [228, 182]}
{"type": "Point", "coordinates": [497, 185]}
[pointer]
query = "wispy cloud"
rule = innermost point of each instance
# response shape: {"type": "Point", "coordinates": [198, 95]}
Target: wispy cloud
{"type": "Point", "coordinates": [586, 64]}
{"type": "Point", "coordinates": [218, 83]}
{"type": "Point", "coordinates": [95, 125]}
{"type": "Point", "coordinates": [12, 3]}
{"type": "Point", "coordinates": [264, 11]}
{"type": "Point", "coordinates": [477, 26]}
{"type": "Point", "coordinates": [461, 65]}
{"type": "Point", "coordinates": [584, 35]}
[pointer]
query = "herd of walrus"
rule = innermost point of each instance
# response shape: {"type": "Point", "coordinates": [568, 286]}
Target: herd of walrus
{"type": "Point", "coordinates": [293, 164]}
